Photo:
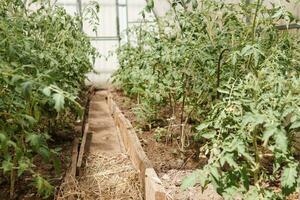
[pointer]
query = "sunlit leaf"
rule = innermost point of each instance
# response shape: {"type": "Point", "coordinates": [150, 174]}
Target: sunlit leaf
{"type": "Point", "coordinates": [59, 100]}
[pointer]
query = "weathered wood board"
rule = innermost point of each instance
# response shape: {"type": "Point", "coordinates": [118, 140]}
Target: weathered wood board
{"type": "Point", "coordinates": [149, 179]}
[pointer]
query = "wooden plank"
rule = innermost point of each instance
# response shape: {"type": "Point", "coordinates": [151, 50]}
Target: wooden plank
{"type": "Point", "coordinates": [153, 186]}
{"type": "Point", "coordinates": [132, 144]}
{"type": "Point", "coordinates": [72, 171]}
{"type": "Point", "coordinates": [148, 177]}
{"type": "Point", "coordinates": [70, 175]}
{"type": "Point", "coordinates": [82, 146]}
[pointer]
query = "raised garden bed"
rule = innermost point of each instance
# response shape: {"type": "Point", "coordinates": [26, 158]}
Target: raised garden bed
{"type": "Point", "coordinates": [164, 168]}
{"type": "Point", "coordinates": [162, 173]}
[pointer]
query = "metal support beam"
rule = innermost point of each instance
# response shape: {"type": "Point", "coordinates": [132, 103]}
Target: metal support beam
{"type": "Point", "coordinates": [104, 38]}
{"type": "Point", "coordinates": [288, 27]}
{"type": "Point", "coordinates": [118, 22]}
{"type": "Point", "coordinates": [79, 7]}
{"type": "Point", "coordinates": [127, 21]}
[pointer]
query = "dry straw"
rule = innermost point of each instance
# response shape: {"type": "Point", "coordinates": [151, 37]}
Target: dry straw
{"type": "Point", "coordinates": [105, 177]}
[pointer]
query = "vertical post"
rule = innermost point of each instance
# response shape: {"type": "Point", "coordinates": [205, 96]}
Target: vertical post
{"type": "Point", "coordinates": [127, 21]}
{"type": "Point", "coordinates": [248, 16]}
{"type": "Point", "coordinates": [118, 21]}
{"type": "Point", "coordinates": [79, 8]}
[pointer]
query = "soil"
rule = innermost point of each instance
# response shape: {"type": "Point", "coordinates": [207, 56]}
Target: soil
{"type": "Point", "coordinates": [103, 137]}
{"type": "Point", "coordinates": [25, 190]}
{"type": "Point", "coordinates": [171, 164]}
{"type": "Point", "coordinates": [163, 155]}
{"type": "Point", "coordinates": [62, 138]}
{"type": "Point", "coordinates": [172, 181]}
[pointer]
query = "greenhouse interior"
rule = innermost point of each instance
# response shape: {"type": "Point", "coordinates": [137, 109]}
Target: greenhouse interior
{"type": "Point", "coordinates": [149, 99]}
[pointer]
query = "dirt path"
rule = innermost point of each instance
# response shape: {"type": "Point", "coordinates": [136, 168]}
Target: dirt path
{"type": "Point", "coordinates": [104, 137]}
{"type": "Point", "coordinates": [108, 173]}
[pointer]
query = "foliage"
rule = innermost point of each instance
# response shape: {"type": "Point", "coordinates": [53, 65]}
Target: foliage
{"type": "Point", "coordinates": [249, 136]}
{"type": "Point", "coordinates": [44, 57]}
{"type": "Point", "coordinates": [227, 68]}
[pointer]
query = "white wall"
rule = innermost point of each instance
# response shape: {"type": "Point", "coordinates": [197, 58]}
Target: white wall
{"type": "Point", "coordinates": [106, 65]}
{"type": "Point", "coordinates": [162, 6]}
{"type": "Point", "coordinates": [105, 40]}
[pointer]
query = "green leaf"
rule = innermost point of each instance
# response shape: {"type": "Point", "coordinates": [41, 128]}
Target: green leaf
{"type": "Point", "coordinates": [196, 177]}
{"type": "Point", "coordinates": [247, 50]}
{"type": "Point", "coordinates": [194, 4]}
{"type": "Point", "coordinates": [228, 158]}
{"type": "Point", "coordinates": [26, 89]}
{"type": "Point", "coordinates": [150, 5]}
{"type": "Point", "coordinates": [34, 139]}
{"type": "Point", "coordinates": [269, 132]}
{"type": "Point", "coordinates": [287, 112]}
{"type": "Point", "coordinates": [23, 166]}
{"type": "Point", "coordinates": [281, 141]}
{"type": "Point", "coordinates": [207, 134]}
{"type": "Point", "coordinates": [278, 14]}
{"type": "Point", "coordinates": [43, 187]}
{"type": "Point", "coordinates": [2, 137]}
{"type": "Point", "coordinates": [215, 172]}
{"type": "Point", "coordinates": [245, 178]}
{"type": "Point", "coordinates": [59, 100]}
{"type": "Point", "coordinates": [253, 119]}
{"type": "Point", "coordinates": [202, 126]}
{"type": "Point", "coordinates": [295, 125]}
{"type": "Point", "coordinates": [189, 181]}
{"type": "Point", "coordinates": [36, 112]}
{"type": "Point", "coordinates": [230, 193]}
{"type": "Point", "coordinates": [47, 91]}
{"type": "Point", "coordinates": [223, 91]}
{"type": "Point", "coordinates": [234, 57]}
{"type": "Point", "coordinates": [29, 119]}
{"type": "Point", "coordinates": [252, 194]}
{"type": "Point", "coordinates": [56, 161]}
{"type": "Point", "coordinates": [289, 178]}
{"type": "Point", "coordinates": [45, 153]}
{"type": "Point", "coordinates": [7, 166]}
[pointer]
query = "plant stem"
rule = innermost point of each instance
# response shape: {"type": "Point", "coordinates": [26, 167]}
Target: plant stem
{"type": "Point", "coordinates": [253, 31]}
{"type": "Point", "coordinates": [171, 104]}
{"type": "Point", "coordinates": [257, 159]}
{"type": "Point", "coordinates": [183, 98]}
{"type": "Point", "coordinates": [219, 71]}
{"type": "Point", "coordinates": [13, 179]}
{"type": "Point", "coordinates": [258, 4]}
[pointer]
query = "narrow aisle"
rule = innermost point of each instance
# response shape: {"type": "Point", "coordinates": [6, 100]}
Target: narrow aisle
{"type": "Point", "coordinates": [107, 172]}
{"type": "Point", "coordinates": [104, 137]}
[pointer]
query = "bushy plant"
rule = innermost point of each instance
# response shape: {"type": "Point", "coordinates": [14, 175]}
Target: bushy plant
{"type": "Point", "coordinates": [228, 68]}
{"type": "Point", "coordinates": [249, 137]}
{"type": "Point", "coordinates": [44, 57]}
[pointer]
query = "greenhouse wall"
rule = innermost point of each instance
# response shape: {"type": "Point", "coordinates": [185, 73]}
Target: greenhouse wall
{"type": "Point", "coordinates": [115, 17]}
{"type": "Point", "coordinates": [163, 6]}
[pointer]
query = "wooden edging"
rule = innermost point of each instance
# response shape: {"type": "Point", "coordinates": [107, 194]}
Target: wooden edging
{"type": "Point", "coordinates": [153, 188]}
{"type": "Point", "coordinates": [82, 146]}
{"type": "Point", "coordinates": [71, 173]}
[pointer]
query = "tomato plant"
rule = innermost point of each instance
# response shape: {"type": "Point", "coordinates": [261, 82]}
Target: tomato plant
{"type": "Point", "coordinates": [227, 68]}
{"type": "Point", "coordinates": [44, 57]}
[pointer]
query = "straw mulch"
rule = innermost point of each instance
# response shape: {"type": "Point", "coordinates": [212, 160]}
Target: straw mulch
{"type": "Point", "coordinates": [105, 177]}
